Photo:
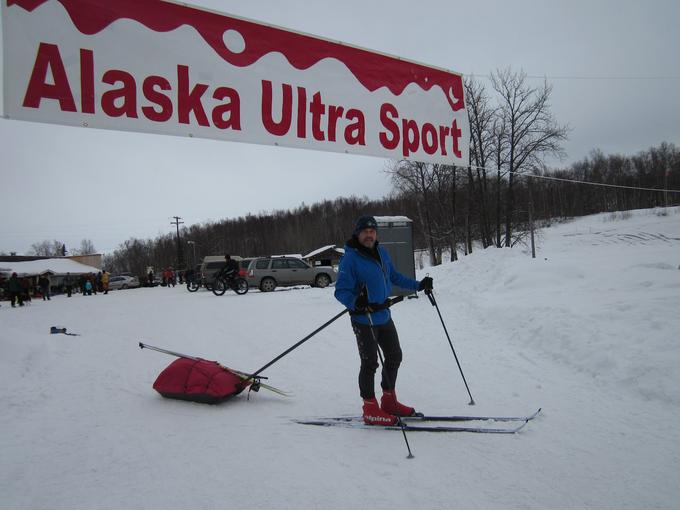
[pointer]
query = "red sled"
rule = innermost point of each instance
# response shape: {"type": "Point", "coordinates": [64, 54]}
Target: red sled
{"type": "Point", "coordinates": [199, 380]}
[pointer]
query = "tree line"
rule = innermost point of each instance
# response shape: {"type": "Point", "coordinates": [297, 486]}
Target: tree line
{"type": "Point", "coordinates": [456, 212]}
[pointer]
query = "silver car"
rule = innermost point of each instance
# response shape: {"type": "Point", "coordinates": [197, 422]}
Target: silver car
{"type": "Point", "coordinates": [123, 282]}
{"type": "Point", "coordinates": [267, 273]}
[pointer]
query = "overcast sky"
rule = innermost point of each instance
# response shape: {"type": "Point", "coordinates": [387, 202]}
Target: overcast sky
{"type": "Point", "coordinates": [614, 66]}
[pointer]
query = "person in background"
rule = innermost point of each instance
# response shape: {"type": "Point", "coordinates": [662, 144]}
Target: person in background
{"type": "Point", "coordinates": [15, 290]}
{"type": "Point", "coordinates": [189, 275]}
{"type": "Point", "coordinates": [68, 284]}
{"type": "Point", "coordinates": [105, 282]}
{"type": "Point", "coordinates": [26, 289]}
{"type": "Point", "coordinates": [231, 267]}
{"type": "Point", "coordinates": [365, 278]}
{"type": "Point", "coordinates": [44, 282]}
{"type": "Point", "coordinates": [3, 286]}
{"type": "Point", "coordinates": [88, 287]}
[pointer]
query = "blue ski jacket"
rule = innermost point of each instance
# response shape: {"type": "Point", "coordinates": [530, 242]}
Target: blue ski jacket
{"type": "Point", "coordinates": [358, 269]}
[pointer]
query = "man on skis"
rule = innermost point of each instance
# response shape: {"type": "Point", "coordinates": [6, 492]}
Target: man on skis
{"type": "Point", "coordinates": [365, 278]}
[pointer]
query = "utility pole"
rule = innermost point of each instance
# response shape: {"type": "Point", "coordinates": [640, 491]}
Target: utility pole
{"type": "Point", "coordinates": [531, 219]}
{"type": "Point", "coordinates": [665, 187]}
{"type": "Point", "coordinates": [193, 245]}
{"type": "Point", "coordinates": [177, 223]}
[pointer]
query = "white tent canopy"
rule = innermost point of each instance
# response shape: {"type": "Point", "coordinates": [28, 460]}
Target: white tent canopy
{"type": "Point", "coordinates": [54, 266]}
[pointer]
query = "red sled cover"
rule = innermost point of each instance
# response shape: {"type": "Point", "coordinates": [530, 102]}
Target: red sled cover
{"type": "Point", "coordinates": [198, 380]}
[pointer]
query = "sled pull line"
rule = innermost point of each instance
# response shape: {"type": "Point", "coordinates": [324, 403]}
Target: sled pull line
{"type": "Point", "coordinates": [293, 347]}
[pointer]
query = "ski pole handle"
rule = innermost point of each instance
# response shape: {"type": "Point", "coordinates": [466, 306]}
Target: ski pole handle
{"type": "Point", "coordinates": [430, 296]}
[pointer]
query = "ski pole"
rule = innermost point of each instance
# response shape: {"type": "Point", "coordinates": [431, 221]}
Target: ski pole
{"type": "Point", "coordinates": [165, 351]}
{"type": "Point", "coordinates": [298, 344]}
{"type": "Point", "coordinates": [430, 296]}
{"type": "Point", "coordinates": [193, 358]}
{"type": "Point", "coordinates": [388, 381]}
{"type": "Point", "coordinates": [323, 326]}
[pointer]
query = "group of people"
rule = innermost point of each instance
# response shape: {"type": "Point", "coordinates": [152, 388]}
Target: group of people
{"type": "Point", "coordinates": [169, 277]}
{"type": "Point", "coordinates": [21, 290]}
{"type": "Point", "coordinates": [88, 284]}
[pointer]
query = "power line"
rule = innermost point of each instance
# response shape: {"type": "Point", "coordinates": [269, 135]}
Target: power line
{"type": "Point", "coordinates": [585, 78]}
{"type": "Point", "coordinates": [577, 181]}
{"type": "Point", "coordinates": [622, 78]}
{"type": "Point", "coordinates": [602, 184]}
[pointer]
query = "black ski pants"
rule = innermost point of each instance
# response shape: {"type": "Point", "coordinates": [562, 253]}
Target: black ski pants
{"type": "Point", "coordinates": [388, 340]}
{"type": "Point", "coordinates": [16, 296]}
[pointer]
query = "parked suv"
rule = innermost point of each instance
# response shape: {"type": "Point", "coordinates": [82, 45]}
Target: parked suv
{"type": "Point", "coordinates": [267, 273]}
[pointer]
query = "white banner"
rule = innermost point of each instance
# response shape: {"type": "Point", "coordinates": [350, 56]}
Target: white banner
{"type": "Point", "coordinates": [160, 67]}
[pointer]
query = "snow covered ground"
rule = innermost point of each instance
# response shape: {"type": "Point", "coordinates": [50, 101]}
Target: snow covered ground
{"type": "Point", "coordinates": [589, 330]}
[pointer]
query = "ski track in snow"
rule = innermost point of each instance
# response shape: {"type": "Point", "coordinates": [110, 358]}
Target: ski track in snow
{"type": "Point", "coordinates": [588, 331]}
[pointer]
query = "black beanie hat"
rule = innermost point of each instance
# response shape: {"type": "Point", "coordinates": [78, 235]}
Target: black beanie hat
{"type": "Point", "coordinates": [365, 222]}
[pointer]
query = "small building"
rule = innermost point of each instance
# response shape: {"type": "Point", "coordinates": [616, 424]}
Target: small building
{"type": "Point", "coordinates": [326, 256]}
{"type": "Point", "coordinates": [396, 236]}
{"type": "Point", "coordinates": [57, 268]}
{"type": "Point", "coordinates": [93, 259]}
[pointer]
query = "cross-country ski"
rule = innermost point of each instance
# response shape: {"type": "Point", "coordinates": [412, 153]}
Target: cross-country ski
{"type": "Point", "coordinates": [354, 423]}
{"type": "Point", "coordinates": [420, 417]}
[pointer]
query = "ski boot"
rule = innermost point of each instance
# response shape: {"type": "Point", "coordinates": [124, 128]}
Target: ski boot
{"type": "Point", "coordinates": [389, 404]}
{"type": "Point", "coordinates": [373, 415]}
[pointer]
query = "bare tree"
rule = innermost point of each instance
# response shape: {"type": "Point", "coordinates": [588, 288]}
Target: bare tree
{"type": "Point", "coordinates": [86, 247]}
{"type": "Point", "coordinates": [443, 206]}
{"type": "Point", "coordinates": [47, 248]}
{"type": "Point", "coordinates": [531, 131]}
{"type": "Point", "coordinates": [482, 115]}
{"type": "Point", "coordinates": [417, 178]}
{"type": "Point", "coordinates": [501, 154]}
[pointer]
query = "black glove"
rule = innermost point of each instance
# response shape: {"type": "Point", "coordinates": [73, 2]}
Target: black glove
{"type": "Point", "coordinates": [426, 284]}
{"type": "Point", "coordinates": [361, 303]}
{"type": "Point", "coordinates": [362, 306]}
